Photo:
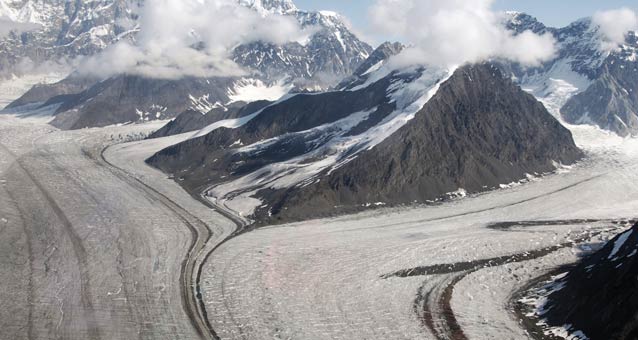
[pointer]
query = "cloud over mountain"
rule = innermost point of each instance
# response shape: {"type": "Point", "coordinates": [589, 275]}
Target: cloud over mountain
{"type": "Point", "coordinates": [614, 25]}
{"type": "Point", "coordinates": [453, 32]}
{"type": "Point", "coordinates": [180, 38]}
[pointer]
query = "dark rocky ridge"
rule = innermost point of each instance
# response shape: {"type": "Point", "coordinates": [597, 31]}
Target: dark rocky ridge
{"type": "Point", "coordinates": [192, 120]}
{"type": "Point", "coordinates": [212, 159]}
{"type": "Point", "coordinates": [480, 130]}
{"type": "Point", "coordinates": [128, 98]}
{"type": "Point", "coordinates": [53, 93]}
{"type": "Point", "coordinates": [600, 295]}
{"type": "Point", "coordinates": [382, 53]}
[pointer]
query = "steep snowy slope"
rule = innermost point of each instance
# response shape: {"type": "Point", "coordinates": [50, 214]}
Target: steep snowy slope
{"type": "Point", "coordinates": [65, 29]}
{"type": "Point", "coordinates": [584, 84]}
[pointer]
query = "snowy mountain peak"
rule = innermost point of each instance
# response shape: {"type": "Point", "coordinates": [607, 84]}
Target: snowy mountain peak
{"type": "Point", "coordinates": [65, 29]}
{"type": "Point", "coordinates": [271, 6]}
{"type": "Point", "coordinates": [520, 22]}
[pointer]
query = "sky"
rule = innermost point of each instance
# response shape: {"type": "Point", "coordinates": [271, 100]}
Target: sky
{"type": "Point", "coordinates": [557, 13]}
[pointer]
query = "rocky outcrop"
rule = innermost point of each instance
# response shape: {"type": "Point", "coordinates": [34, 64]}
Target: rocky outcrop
{"type": "Point", "coordinates": [376, 60]}
{"type": "Point", "coordinates": [599, 297]}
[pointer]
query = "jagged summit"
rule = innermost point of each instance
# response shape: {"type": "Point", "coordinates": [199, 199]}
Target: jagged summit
{"type": "Point", "coordinates": [520, 22]}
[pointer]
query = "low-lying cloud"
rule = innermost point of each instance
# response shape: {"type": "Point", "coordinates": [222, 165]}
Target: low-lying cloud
{"type": "Point", "coordinates": [453, 32]}
{"type": "Point", "coordinates": [614, 26]}
{"type": "Point", "coordinates": [180, 38]}
{"type": "Point", "coordinates": [8, 26]}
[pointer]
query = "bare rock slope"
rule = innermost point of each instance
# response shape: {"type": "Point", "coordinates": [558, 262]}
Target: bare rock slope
{"type": "Point", "coordinates": [599, 297]}
{"type": "Point", "coordinates": [480, 130]}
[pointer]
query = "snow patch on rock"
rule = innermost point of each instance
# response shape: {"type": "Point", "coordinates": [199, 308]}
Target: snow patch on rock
{"type": "Point", "coordinates": [250, 90]}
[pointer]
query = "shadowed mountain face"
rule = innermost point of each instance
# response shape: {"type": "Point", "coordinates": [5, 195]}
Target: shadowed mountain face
{"type": "Point", "coordinates": [599, 297]}
{"type": "Point", "coordinates": [478, 131]}
{"type": "Point", "coordinates": [282, 131]}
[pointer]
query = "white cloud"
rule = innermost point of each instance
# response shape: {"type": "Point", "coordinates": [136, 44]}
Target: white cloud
{"type": "Point", "coordinates": [180, 38]}
{"type": "Point", "coordinates": [614, 26]}
{"type": "Point", "coordinates": [453, 32]}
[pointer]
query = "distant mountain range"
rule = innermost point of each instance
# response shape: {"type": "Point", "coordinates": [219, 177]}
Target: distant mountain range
{"type": "Point", "coordinates": [584, 84]}
{"type": "Point", "coordinates": [332, 53]}
{"type": "Point", "coordinates": [65, 29]}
